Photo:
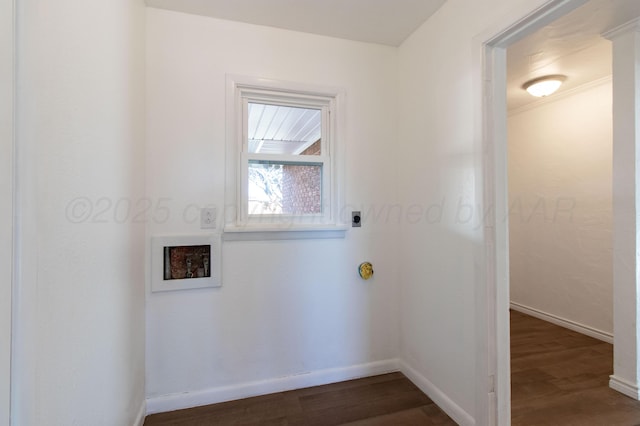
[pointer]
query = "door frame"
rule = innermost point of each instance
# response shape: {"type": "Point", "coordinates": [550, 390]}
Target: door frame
{"type": "Point", "coordinates": [493, 386]}
{"type": "Point", "coordinates": [7, 204]}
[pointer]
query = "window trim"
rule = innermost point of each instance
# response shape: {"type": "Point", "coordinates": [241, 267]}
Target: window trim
{"type": "Point", "coordinates": [238, 224]}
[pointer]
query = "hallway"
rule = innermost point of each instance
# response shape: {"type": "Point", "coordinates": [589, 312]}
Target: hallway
{"type": "Point", "coordinates": [560, 377]}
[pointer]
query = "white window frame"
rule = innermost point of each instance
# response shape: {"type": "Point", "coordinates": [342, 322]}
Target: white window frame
{"type": "Point", "coordinates": [239, 223]}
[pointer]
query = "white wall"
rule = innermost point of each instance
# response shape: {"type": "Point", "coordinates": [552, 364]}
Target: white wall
{"type": "Point", "coordinates": [285, 307]}
{"type": "Point", "coordinates": [560, 190]}
{"type": "Point", "coordinates": [442, 259]}
{"type": "Point", "coordinates": [80, 358]}
{"type": "Point", "coordinates": [6, 200]}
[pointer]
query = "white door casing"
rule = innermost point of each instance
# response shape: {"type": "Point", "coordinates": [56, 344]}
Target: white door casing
{"type": "Point", "coordinates": [493, 397]}
{"type": "Point", "coordinates": [7, 41]}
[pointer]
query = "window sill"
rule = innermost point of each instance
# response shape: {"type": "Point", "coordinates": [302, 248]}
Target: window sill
{"type": "Point", "coordinates": [264, 233]}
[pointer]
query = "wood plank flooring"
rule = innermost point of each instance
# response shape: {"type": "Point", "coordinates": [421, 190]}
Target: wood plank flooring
{"type": "Point", "coordinates": [560, 377]}
{"type": "Point", "coordinates": [386, 400]}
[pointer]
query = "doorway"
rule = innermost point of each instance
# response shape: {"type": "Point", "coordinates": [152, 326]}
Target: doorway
{"type": "Point", "coordinates": [560, 220]}
{"type": "Point", "coordinates": [560, 229]}
{"type": "Point", "coordinates": [495, 306]}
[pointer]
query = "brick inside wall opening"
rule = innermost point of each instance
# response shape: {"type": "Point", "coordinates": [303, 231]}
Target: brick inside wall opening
{"type": "Point", "coordinates": [302, 186]}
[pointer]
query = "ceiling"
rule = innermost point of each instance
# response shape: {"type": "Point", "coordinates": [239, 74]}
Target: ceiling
{"type": "Point", "coordinates": [387, 22]}
{"type": "Point", "coordinates": [572, 46]}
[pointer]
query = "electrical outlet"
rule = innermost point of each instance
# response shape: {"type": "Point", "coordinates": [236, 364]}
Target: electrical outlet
{"type": "Point", "coordinates": [356, 220]}
{"type": "Point", "coordinates": [208, 218]}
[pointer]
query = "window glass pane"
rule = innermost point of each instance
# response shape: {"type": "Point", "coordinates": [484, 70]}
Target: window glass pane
{"type": "Point", "coordinates": [276, 129]}
{"type": "Point", "coordinates": [284, 188]}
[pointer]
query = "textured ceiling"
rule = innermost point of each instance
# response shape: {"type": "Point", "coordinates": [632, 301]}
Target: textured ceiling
{"type": "Point", "coordinates": [572, 46]}
{"type": "Point", "coordinates": [375, 21]}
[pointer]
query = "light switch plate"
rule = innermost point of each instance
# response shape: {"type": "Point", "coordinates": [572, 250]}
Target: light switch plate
{"type": "Point", "coordinates": [208, 218]}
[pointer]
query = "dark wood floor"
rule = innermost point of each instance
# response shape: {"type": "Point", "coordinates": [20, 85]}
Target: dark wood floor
{"type": "Point", "coordinates": [559, 377]}
{"type": "Point", "coordinates": [386, 400]}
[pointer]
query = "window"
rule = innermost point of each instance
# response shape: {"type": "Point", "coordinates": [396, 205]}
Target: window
{"type": "Point", "coordinates": [283, 151]}
{"type": "Point", "coordinates": [285, 157]}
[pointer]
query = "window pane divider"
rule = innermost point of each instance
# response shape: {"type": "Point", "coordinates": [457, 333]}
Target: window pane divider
{"type": "Point", "coordinates": [288, 159]}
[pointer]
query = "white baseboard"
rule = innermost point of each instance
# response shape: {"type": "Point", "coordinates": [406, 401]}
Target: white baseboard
{"type": "Point", "coordinates": [164, 403]}
{"type": "Point", "coordinates": [625, 387]}
{"type": "Point", "coordinates": [139, 421]}
{"type": "Point", "coordinates": [447, 405]}
{"type": "Point", "coordinates": [563, 322]}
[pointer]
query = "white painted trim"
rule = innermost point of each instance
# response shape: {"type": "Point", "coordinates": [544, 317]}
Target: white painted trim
{"type": "Point", "coordinates": [8, 214]}
{"type": "Point", "coordinates": [164, 403]}
{"type": "Point", "coordinates": [142, 411]}
{"type": "Point", "coordinates": [626, 201]}
{"type": "Point", "coordinates": [242, 233]}
{"type": "Point", "coordinates": [632, 25]}
{"type": "Point", "coordinates": [624, 387]}
{"type": "Point", "coordinates": [517, 28]}
{"type": "Point", "coordinates": [563, 322]}
{"type": "Point", "coordinates": [539, 102]}
{"type": "Point", "coordinates": [496, 294]}
{"type": "Point", "coordinates": [157, 264]}
{"type": "Point", "coordinates": [441, 399]}
{"type": "Point", "coordinates": [332, 100]}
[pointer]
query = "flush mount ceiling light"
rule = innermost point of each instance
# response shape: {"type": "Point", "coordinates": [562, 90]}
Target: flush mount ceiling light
{"type": "Point", "coordinates": [544, 86]}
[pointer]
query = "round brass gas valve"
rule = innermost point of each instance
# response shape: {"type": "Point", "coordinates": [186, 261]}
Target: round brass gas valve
{"type": "Point", "coordinates": [365, 270]}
